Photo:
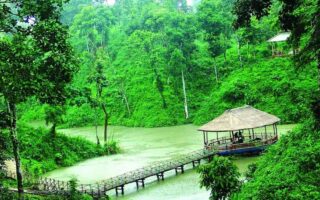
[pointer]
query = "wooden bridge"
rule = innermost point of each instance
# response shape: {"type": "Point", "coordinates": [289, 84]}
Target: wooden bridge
{"type": "Point", "coordinates": [137, 176]}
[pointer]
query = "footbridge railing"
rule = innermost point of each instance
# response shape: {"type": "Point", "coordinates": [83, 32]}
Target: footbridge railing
{"type": "Point", "coordinates": [137, 176]}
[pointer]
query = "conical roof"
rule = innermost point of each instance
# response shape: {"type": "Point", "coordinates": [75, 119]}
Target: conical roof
{"type": "Point", "coordinates": [245, 117]}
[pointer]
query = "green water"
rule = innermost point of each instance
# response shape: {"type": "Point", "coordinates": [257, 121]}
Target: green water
{"type": "Point", "coordinates": [140, 147]}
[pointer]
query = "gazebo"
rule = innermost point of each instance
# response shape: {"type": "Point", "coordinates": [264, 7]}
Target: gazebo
{"type": "Point", "coordinates": [241, 130]}
{"type": "Point", "coordinates": [277, 42]}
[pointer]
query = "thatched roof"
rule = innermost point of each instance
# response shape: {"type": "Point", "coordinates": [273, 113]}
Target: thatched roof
{"type": "Point", "coordinates": [238, 119]}
{"type": "Point", "coordinates": [280, 37]}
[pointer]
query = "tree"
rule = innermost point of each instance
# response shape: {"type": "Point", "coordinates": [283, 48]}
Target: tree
{"type": "Point", "coordinates": [35, 59]}
{"type": "Point", "coordinates": [72, 8]}
{"type": "Point", "coordinates": [54, 115]}
{"type": "Point", "coordinates": [217, 27]}
{"type": "Point", "coordinates": [178, 63]}
{"type": "Point", "coordinates": [100, 81]}
{"type": "Point", "coordinates": [221, 176]}
{"type": "Point", "coordinates": [90, 28]}
{"type": "Point", "coordinates": [301, 17]}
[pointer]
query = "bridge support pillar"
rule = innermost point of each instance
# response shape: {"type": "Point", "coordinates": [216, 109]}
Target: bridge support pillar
{"type": "Point", "coordinates": [121, 188]}
{"type": "Point", "coordinates": [195, 163]}
{"type": "Point", "coordinates": [138, 183]}
{"type": "Point", "coordinates": [160, 175]}
{"type": "Point", "coordinates": [180, 168]}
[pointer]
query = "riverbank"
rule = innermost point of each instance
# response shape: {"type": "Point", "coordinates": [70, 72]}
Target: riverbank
{"type": "Point", "coordinates": [141, 147]}
{"type": "Point", "coordinates": [42, 152]}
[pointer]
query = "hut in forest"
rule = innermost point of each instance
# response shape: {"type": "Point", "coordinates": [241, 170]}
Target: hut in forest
{"type": "Point", "coordinates": [241, 130]}
{"type": "Point", "coordinates": [279, 46]}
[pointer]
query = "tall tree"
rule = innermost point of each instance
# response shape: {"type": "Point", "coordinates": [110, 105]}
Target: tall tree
{"type": "Point", "coordinates": [217, 28]}
{"type": "Point", "coordinates": [99, 79]}
{"type": "Point", "coordinates": [35, 59]}
{"type": "Point", "coordinates": [301, 17]}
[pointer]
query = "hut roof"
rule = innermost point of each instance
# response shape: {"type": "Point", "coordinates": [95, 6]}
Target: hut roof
{"type": "Point", "coordinates": [280, 37]}
{"type": "Point", "coordinates": [238, 119]}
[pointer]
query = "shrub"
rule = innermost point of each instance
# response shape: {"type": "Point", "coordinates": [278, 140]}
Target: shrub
{"type": "Point", "coordinates": [220, 176]}
{"type": "Point", "coordinates": [40, 153]}
{"type": "Point", "coordinates": [289, 170]}
{"type": "Point", "coordinates": [111, 147]}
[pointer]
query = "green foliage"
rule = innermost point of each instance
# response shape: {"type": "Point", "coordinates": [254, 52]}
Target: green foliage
{"type": "Point", "coordinates": [111, 147]}
{"type": "Point", "coordinates": [289, 170]}
{"type": "Point", "coordinates": [143, 48]}
{"type": "Point", "coordinates": [220, 176]}
{"type": "Point", "coordinates": [300, 17]}
{"type": "Point", "coordinates": [73, 192]}
{"type": "Point", "coordinates": [5, 194]}
{"type": "Point", "coordinates": [40, 155]}
{"type": "Point", "coordinates": [53, 114]}
{"type": "Point", "coordinates": [272, 85]}
{"type": "Point", "coordinates": [251, 170]}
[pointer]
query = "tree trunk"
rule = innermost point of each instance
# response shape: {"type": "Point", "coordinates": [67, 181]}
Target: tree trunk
{"type": "Point", "coordinates": [53, 130]}
{"type": "Point", "coordinates": [96, 126]}
{"type": "Point", "coordinates": [87, 42]}
{"type": "Point", "coordinates": [15, 145]}
{"type": "Point", "coordinates": [124, 96]}
{"type": "Point", "coordinates": [248, 50]}
{"type": "Point", "coordinates": [318, 67]}
{"type": "Point", "coordinates": [127, 103]}
{"type": "Point", "coordinates": [215, 70]}
{"type": "Point", "coordinates": [53, 135]}
{"type": "Point", "coordinates": [105, 122]}
{"type": "Point", "coordinates": [239, 53]}
{"type": "Point", "coordinates": [185, 96]}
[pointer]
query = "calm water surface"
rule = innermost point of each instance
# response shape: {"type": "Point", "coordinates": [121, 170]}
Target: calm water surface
{"type": "Point", "coordinates": [143, 146]}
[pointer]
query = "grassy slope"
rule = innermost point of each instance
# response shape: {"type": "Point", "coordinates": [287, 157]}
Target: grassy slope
{"type": "Point", "coordinates": [272, 85]}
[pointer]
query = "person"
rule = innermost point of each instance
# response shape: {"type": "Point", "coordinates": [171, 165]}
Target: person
{"type": "Point", "coordinates": [235, 140]}
{"type": "Point", "coordinates": [241, 138]}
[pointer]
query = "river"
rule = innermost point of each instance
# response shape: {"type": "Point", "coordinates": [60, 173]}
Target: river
{"type": "Point", "coordinates": [140, 147]}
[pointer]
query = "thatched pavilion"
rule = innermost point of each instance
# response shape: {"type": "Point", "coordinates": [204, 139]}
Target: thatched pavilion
{"type": "Point", "coordinates": [239, 128]}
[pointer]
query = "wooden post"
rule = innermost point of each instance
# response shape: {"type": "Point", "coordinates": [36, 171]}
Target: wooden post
{"type": "Point", "coordinates": [207, 141]}
{"type": "Point", "coordinates": [121, 188]}
{"type": "Point", "coordinates": [274, 130]}
{"type": "Point", "coordinates": [98, 191]}
{"type": "Point", "coordinates": [160, 175]}
{"type": "Point", "coordinates": [265, 131]}
{"type": "Point", "coordinates": [253, 133]}
{"type": "Point", "coordinates": [217, 137]}
{"type": "Point", "coordinates": [204, 138]}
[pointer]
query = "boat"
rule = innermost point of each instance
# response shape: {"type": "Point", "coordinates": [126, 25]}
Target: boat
{"type": "Point", "coordinates": [240, 131]}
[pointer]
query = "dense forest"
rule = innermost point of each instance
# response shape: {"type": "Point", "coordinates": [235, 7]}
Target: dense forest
{"type": "Point", "coordinates": [155, 63]}
{"type": "Point", "coordinates": [166, 63]}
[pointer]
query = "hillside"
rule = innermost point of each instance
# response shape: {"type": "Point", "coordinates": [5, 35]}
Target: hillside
{"type": "Point", "coordinates": [161, 66]}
